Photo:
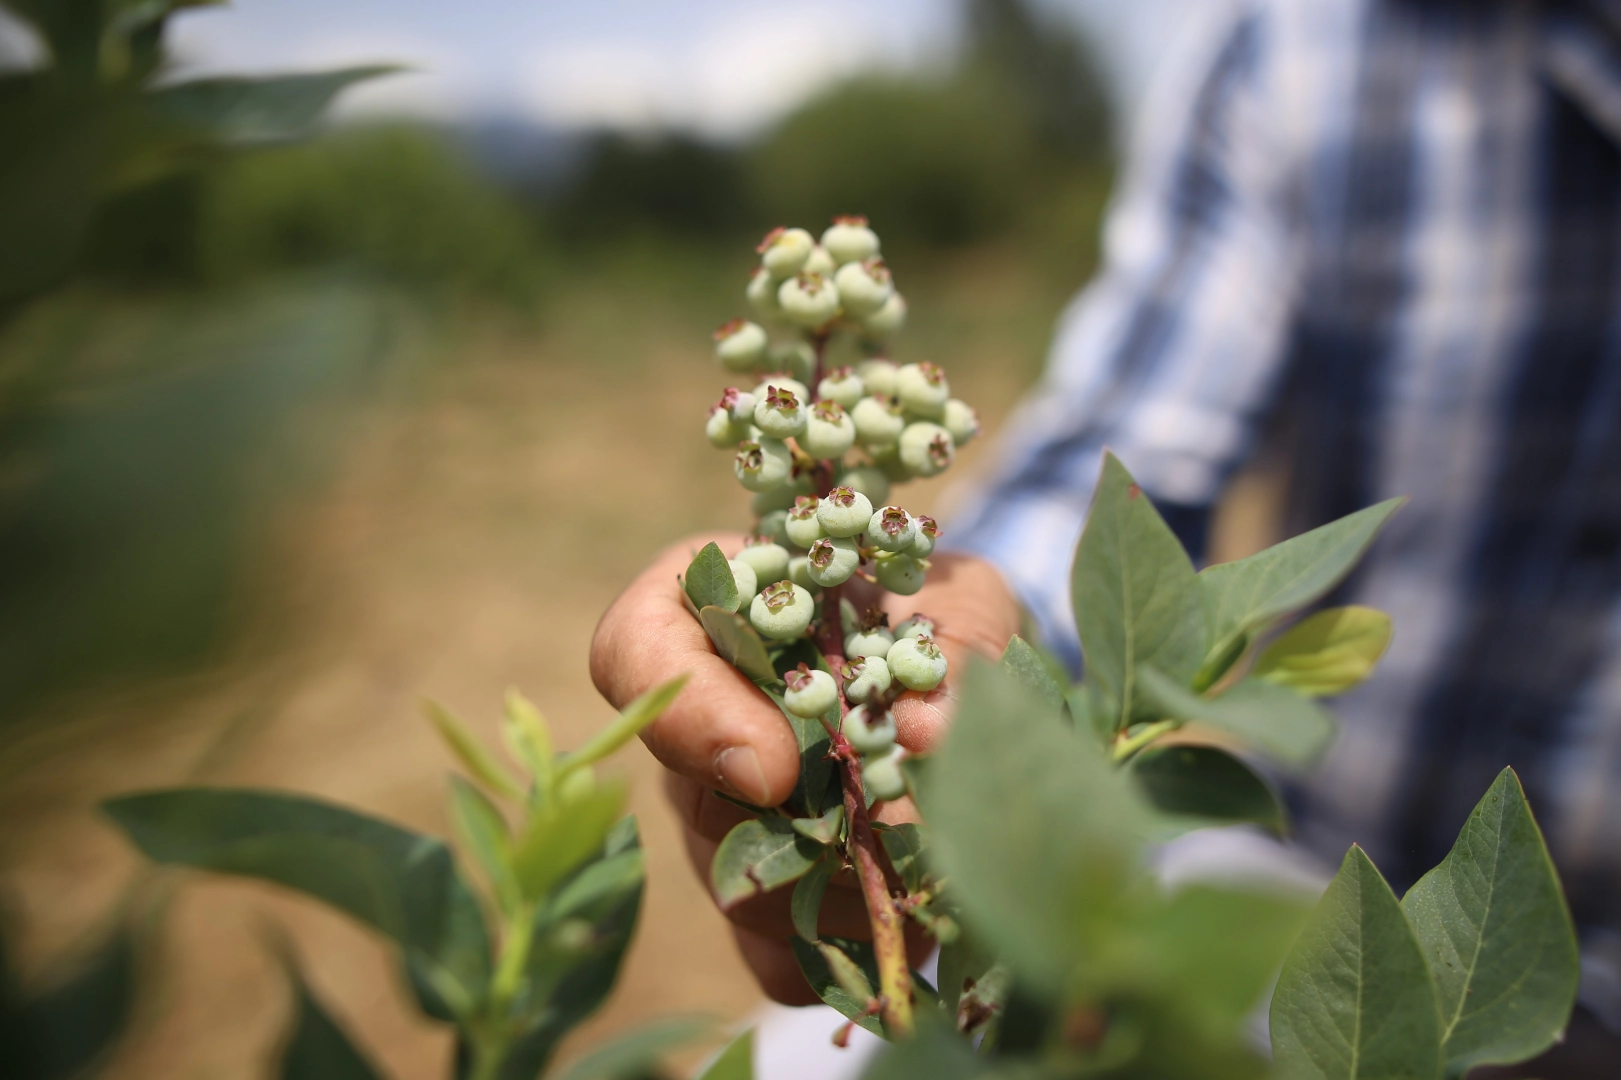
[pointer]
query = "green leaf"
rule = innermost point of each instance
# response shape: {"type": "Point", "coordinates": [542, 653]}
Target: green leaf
{"type": "Point", "coordinates": [825, 829]}
{"type": "Point", "coordinates": [1025, 664]}
{"type": "Point", "coordinates": [1016, 796]}
{"type": "Point", "coordinates": [739, 644]}
{"type": "Point", "coordinates": [1272, 719]}
{"type": "Point", "coordinates": [904, 845]}
{"type": "Point", "coordinates": [563, 834]}
{"type": "Point", "coordinates": [636, 1054]}
{"type": "Point", "coordinates": [1494, 926]}
{"type": "Point", "coordinates": [1136, 598]}
{"type": "Point", "coordinates": [1326, 653]}
{"type": "Point", "coordinates": [807, 902]}
{"type": "Point", "coordinates": [472, 753]}
{"type": "Point", "coordinates": [255, 111]}
{"type": "Point", "coordinates": [709, 581]}
{"type": "Point", "coordinates": [483, 832]}
{"type": "Point", "coordinates": [1249, 593]}
{"type": "Point", "coordinates": [398, 882]}
{"type": "Point", "coordinates": [528, 739]}
{"type": "Point", "coordinates": [857, 967]}
{"type": "Point", "coordinates": [734, 1062]}
{"type": "Point", "coordinates": [636, 716]}
{"type": "Point", "coordinates": [759, 855]}
{"type": "Point", "coordinates": [317, 1048]}
{"type": "Point", "coordinates": [568, 981]}
{"type": "Point", "coordinates": [1199, 786]}
{"type": "Point", "coordinates": [1355, 999]}
{"type": "Point", "coordinates": [937, 1053]}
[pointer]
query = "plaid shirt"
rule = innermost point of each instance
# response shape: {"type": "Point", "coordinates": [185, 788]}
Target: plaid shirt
{"type": "Point", "coordinates": [1385, 236]}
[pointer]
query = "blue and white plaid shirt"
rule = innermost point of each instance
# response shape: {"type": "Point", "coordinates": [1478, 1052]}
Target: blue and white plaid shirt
{"type": "Point", "coordinates": [1387, 235]}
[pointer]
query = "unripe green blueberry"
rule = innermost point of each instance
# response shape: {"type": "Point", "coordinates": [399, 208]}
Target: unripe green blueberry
{"type": "Point", "coordinates": [762, 293]}
{"type": "Point", "coordinates": [799, 574]}
{"type": "Point", "coordinates": [785, 251]}
{"type": "Point", "coordinates": [774, 527]}
{"type": "Point", "coordinates": [833, 559]}
{"type": "Point", "coordinates": [795, 359]}
{"type": "Point", "coordinates": [843, 512]}
{"type": "Point", "coordinates": [767, 558]}
{"type": "Point", "coordinates": [802, 527]}
{"type": "Point", "coordinates": [928, 531]}
{"type": "Point", "coordinates": [869, 480]}
{"type": "Point", "coordinates": [864, 287]}
{"type": "Point", "coordinates": [882, 775]}
{"type": "Point", "coordinates": [849, 239]}
{"type": "Point", "coordinates": [870, 729]}
{"type": "Point", "coordinates": [780, 381]}
{"type": "Point", "coordinates": [763, 464]}
{"type": "Point", "coordinates": [780, 414]}
{"type": "Point", "coordinates": [900, 574]}
{"type": "Point", "coordinates": [923, 390]}
{"type": "Point", "coordinates": [866, 678]}
{"type": "Point", "coordinates": [723, 432]}
{"type": "Point", "coordinates": [842, 385]}
{"type": "Point", "coordinates": [782, 611]}
{"type": "Point", "coordinates": [810, 693]}
{"type": "Point", "coordinates": [829, 432]}
{"type": "Point", "coordinates": [961, 420]}
{"type": "Point", "coordinates": [874, 641]}
{"type": "Point", "coordinates": [781, 498]}
{"type": "Point", "coordinates": [740, 345]}
{"type": "Point", "coordinates": [927, 448]}
{"type": "Point", "coordinates": [820, 262]}
{"type": "Point", "coordinates": [891, 529]}
{"type": "Point", "coordinates": [878, 376]}
{"type": "Point", "coordinates": [887, 320]}
{"type": "Point", "coordinates": [917, 625]}
{"type": "Point", "coordinates": [809, 300]}
{"type": "Point", "coordinates": [917, 662]}
{"type": "Point", "coordinates": [879, 421]}
{"type": "Point", "coordinates": [748, 583]}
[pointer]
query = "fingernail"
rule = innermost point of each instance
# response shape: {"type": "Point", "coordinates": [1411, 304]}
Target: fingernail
{"type": "Point", "coordinates": [738, 767]}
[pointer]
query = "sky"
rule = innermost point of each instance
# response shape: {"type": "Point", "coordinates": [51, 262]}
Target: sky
{"type": "Point", "coordinates": [722, 68]}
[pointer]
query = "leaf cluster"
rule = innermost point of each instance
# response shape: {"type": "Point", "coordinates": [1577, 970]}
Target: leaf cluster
{"type": "Point", "coordinates": [513, 965]}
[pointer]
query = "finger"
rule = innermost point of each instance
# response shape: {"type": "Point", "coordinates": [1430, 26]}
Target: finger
{"type": "Point", "coordinates": [721, 730]}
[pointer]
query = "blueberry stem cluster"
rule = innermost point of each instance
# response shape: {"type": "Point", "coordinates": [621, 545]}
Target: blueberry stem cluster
{"type": "Point", "coordinates": [820, 445]}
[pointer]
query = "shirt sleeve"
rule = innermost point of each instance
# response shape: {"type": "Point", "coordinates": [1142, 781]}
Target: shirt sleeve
{"type": "Point", "coordinates": [1171, 355]}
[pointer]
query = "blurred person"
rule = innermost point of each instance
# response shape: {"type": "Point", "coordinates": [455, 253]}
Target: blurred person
{"type": "Point", "coordinates": [1379, 240]}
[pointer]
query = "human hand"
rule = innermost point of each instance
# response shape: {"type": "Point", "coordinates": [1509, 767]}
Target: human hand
{"type": "Point", "coordinates": [723, 733]}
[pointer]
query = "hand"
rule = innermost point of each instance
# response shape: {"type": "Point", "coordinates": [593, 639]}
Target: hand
{"type": "Point", "coordinates": [723, 733]}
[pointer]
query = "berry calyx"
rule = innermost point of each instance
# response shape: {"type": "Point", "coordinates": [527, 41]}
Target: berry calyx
{"type": "Point", "coordinates": [892, 529]}
{"type": "Point", "coordinates": [927, 449]}
{"type": "Point", "coordinates": [809, 300]}
{"type": "Point", "coordinates": [928, 531]}
{"type": "Point", "coordinates": [782, 611]}
{"type": "Point", "coordinates": [810, 693]}
{"type": "Point", "coordinates": [780, 413]}
{"type": "Point", "coordinates": [844, 512]}
{"type": "Point", "coordinates": [870, 728]}
{"type": "Point", "coordinates": [833, 560]}
{"type": "Point", "coordinates": [829, 431]}
{"type": "Point", "coordinates": [802, 527]}
{"type": "Point", "coordinates": [763, 464]}
{"type": "Point", "coordinates": [917, 663]}
{"type": "Point", "coordinates": [842, 385]}
{"type": "Point", "coordinates": [866, 678]}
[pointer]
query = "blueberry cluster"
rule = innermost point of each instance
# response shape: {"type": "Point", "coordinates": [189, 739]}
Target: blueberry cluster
{"type": "Point", "coordinates": [820, 447]}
